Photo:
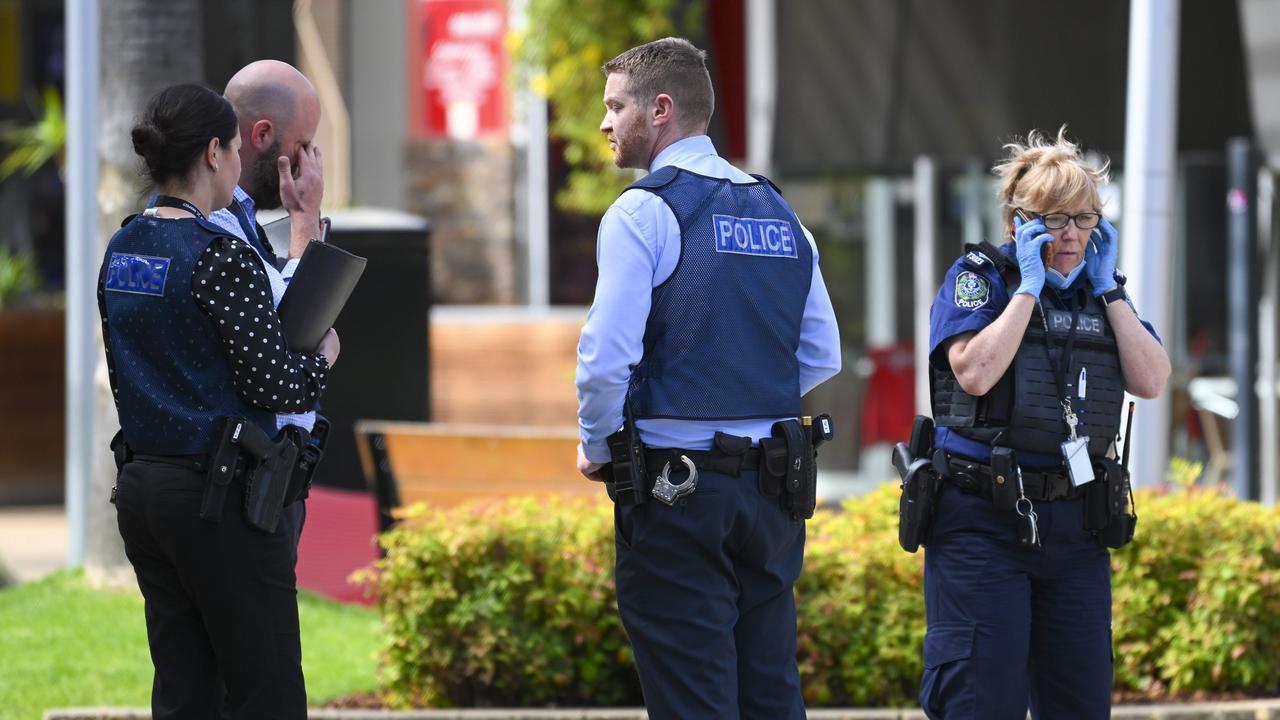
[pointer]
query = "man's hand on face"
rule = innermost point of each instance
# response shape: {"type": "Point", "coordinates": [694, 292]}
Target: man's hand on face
{"type": "Point", "coordinates": [301, 197]}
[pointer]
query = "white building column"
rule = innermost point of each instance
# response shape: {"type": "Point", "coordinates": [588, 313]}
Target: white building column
{"type": "Point", "coordinates": [1150, 173]}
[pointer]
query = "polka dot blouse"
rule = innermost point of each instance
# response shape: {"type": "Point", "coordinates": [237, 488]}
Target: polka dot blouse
{"type": "Point", "coordinates": [230, 287]}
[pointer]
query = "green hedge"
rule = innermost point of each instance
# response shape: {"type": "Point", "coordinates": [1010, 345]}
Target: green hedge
{"type": "Point", "coordinates": [514, 604]}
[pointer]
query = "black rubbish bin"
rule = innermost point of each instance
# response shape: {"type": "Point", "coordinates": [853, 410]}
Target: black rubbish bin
{"type": "Point", "coordinates": [383, 368]}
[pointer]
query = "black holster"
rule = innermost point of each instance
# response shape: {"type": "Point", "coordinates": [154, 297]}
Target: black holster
{"type": "Point", "coordinates": [1109, 509]}
{"type": "Point", "coordinates": [920, 485]}
{"type": "Point", "coordinates": [265, 467]}
{"type": "Point", "coordinates": [266, 481]}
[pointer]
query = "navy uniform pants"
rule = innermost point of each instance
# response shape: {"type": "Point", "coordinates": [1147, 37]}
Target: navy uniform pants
{"type": "Point", "coordinates": [705, 594]}
{"type": "Point", "coordinates": [221, 599]}
{"type": "Point", "coordinates": [1010, 627]}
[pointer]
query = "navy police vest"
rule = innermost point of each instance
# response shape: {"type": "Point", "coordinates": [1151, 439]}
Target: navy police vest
{"type": "Point", "coordinates": [170, 373]}
{"type": "Point", "coordinates": [1022, 411]}
{"type": "Point", "coordinates": [721, 338]}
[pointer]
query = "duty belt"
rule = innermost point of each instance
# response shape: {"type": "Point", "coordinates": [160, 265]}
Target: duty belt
{"type": "Point", "coordinates": [975, 477]}
{"type": "Point", "coordinates": [194, 463]}
{"type": "Point", "coordinates": [708, 460]}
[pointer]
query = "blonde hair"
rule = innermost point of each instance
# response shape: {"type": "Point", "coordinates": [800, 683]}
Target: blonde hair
{"type": "Point", "coordinates": [1044, 175]}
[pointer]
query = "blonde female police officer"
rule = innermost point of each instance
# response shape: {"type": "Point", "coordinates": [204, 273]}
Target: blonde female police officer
{"type": "Point", "coordinates": [192, 337]}
{"type": "Point", "coordinates": [706, 339]}
{"type": "Point", "coordinates": [1016, 620]}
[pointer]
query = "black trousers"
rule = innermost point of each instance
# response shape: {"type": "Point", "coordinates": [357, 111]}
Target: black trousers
{"type": "Point", "coordinates": [705, 594]}
{"type": "Point", "coordinates": [221, 599]}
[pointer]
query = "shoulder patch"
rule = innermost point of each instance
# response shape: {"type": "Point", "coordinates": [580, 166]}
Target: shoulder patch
{"type": "Point", "coordinates": [972, 290]}
{"type": "Point", "coordinates": [976, 260]}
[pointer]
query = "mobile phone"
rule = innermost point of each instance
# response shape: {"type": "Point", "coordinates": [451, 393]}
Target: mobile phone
{"type": "Point", "coordinates": [324, 229]}
{"type": "Point", "coordinates": [1046, 250]}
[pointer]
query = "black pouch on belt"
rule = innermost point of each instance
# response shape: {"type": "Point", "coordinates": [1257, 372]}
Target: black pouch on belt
{"type": "Point", "coordinates": [1004, 479]}
{"type": "Point", "coordinates": [120, 450]}
{"type": "Point", "coordinates": [800, 485]}
{"type": "Point", "coordinates": [624, 475]}
{"type": "Point", "coordinates": [222, 467]}
{"type": "Point", "coordinates": [267, 478]}
{"type": "Point", "coordinates": [1097, 515]}
{"type": "Point", "coordinates": [726, 454]}
{"type": "Point", "coordinates": [310, 451]}
{"type": "Point", "coordinates": [1117, 494]}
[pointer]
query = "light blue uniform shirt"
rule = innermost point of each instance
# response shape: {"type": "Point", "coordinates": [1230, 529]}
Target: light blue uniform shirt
{"type": "Point", "coordinates": [637, 249]}
{"type": "Point", "coordinates": [279, 280]}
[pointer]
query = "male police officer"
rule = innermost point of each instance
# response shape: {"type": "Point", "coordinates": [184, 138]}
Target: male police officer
{"type": "Point", "coordinates": [710, 321]}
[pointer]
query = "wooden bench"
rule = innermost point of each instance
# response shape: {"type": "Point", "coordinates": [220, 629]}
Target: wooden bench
{"type": "Point", "coordinates": [446, 464]}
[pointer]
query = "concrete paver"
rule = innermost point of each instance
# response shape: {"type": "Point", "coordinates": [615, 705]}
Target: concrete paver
{"type": "Point", "coordinates": [33, 540]}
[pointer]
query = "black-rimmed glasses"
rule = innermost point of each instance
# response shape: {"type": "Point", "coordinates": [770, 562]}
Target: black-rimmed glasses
{"type": "Point", "coordinates": [1057, 221]}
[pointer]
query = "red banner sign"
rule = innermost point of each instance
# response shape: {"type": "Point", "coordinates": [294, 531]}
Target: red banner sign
{"type": "Point", "coordinates": [460, 72]}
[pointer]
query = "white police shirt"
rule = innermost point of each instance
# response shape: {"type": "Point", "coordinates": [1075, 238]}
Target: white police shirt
{"type": "Point", "coordinates": [279, 280]}
{"type": "Point", "coordinates": [637, 249]}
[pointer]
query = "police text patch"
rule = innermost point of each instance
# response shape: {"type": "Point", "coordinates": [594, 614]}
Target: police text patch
{"type": "Point", "coordinates": [1059, 322]}
{"type": "Point", "coordinates": [139, 274]}
{"type": "Point", "coordinates": [975, 259]}
{"type": "Point", "coordinates": [754, 236]}
{"type": "Point", "coordinates": [972, 290]}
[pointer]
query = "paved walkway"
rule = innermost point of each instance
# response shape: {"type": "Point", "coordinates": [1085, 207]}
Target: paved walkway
{"type": "Point", "coordinates": [33, 540]}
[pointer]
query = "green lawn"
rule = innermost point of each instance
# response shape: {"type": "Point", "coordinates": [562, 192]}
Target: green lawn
{"type": "Point", "coordinates": [65, 645]}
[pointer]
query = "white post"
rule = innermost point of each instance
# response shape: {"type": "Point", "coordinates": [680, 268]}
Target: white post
{"type": "Point", "coordinates": [882, 321]}
{"type": "Point", "coordinates": [926, 285]}
{"type": "Point", "coordinates": [1149, 177]}
{"type": "Point", "coordinates": [762, 83]}
{"type": "Point", "coordinates": [537, 209]}
{"type": "Point", "coordinates": [82, 261]}
{"type": "Point", "coordinates": [1268, 421]}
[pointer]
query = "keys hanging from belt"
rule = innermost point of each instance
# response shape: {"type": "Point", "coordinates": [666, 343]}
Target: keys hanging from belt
{"type": "Point", "coordinates": [1028, 521]}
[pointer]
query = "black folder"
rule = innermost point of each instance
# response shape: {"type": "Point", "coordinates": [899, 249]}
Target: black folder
{"type": "Point", "coordinates": [323, 281]}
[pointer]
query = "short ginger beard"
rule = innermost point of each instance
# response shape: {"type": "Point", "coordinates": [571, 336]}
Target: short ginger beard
{"type": "Point", "coordinates": [266, 179]}
{"type": "Point", "coordinates": [630, 142]}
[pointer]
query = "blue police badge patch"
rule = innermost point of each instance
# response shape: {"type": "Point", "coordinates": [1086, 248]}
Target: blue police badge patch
{"type": "Point", "coordinates": [972, 290]}
{"type": "Point", "coordinates": [138, 274]}
{"type": "Point", "coordinates": [753, 236]}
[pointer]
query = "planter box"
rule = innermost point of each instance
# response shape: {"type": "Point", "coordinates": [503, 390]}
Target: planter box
{"type": "Point", "coordinates": [32, 406]}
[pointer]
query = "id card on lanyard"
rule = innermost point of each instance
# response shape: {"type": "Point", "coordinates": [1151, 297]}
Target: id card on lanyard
{"type": "Point", "coordinates": [1075, 449]}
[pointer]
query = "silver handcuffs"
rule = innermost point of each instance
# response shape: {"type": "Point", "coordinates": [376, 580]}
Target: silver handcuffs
{"type": "Point", "coordinates": [668, 493]}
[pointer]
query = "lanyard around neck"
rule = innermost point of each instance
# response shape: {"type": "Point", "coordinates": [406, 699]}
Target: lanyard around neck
{"type": "Point", "coordinates": [179, 203]}
{"type": "Point", "coordinates": [1062, 363]}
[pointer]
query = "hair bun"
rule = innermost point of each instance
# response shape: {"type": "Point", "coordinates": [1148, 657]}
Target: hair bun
{"type": "Point", "coordinates": [148, 141]}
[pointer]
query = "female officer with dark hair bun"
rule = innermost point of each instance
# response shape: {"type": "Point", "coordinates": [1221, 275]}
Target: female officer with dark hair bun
{"type": "Point", "coordinates": [192, 338]}
{"type": "Point", "coordinates": [1032, 346]}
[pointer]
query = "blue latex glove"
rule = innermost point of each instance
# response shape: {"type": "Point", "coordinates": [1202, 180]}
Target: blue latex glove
{"type": "Point", "coordinates": [1029, 237]}
{"type": "Point", "coordinates": [1100, 258]}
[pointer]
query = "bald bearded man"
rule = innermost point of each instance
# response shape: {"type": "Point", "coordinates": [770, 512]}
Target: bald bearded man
{"type": "Point", "coordinates": [280, 166]}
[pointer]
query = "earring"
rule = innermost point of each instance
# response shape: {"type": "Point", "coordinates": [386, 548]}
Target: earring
{"type": "Point", "coordinates": [215, 168]}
